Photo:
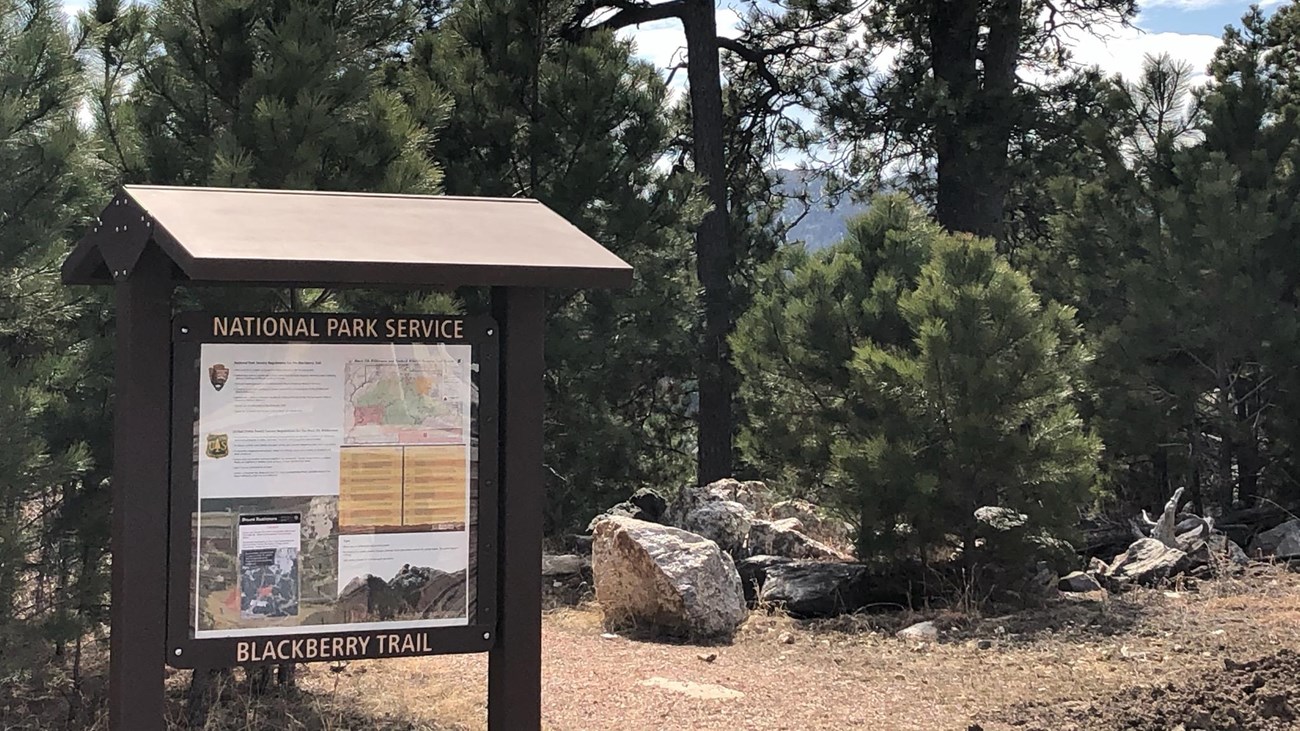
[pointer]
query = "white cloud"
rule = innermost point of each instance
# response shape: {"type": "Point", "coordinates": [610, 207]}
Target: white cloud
{"type": "Point", "coordinates": [1187, 4]}
{"type": "Point", "coordinates": [1121, 50]}
{"type": "Point", "coordinates": [1115, 49]}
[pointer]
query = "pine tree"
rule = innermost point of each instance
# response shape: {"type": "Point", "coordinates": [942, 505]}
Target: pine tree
{"type": "Point", "coordinates": [280, 95]}
{"type": "Point", "coordinates": [1094, 241]}
{"type": "Point", "coordinates": [1189, 283]}
{"type": "Point", "coordinates": [978, 408]}
{"type": "Point", "coordinates": [794, 345]}
{"type": "Point", "coordinates": [45, 193]}
{"type": "Point", "coordinates": [955, 116]}
{"type": "Point", "coordinates": [292, 94]}
{"type": "Point", "coordinates": [910, 376]}
{"type": "Point", "coordinates": [580, 126]}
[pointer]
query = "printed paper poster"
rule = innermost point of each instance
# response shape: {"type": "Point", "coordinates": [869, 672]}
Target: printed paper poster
{"type": "Point", "coordinates": [334, 487]}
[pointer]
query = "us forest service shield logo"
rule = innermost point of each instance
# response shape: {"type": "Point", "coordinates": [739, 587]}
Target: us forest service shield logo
{"type": "Point", "coordinates": [218, 446]}
{"type": "Point", "coordinates": [218, 374]}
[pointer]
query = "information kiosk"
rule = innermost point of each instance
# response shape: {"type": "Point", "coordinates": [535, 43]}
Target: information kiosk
{"type": "Point", "coordinates": [307, 487]}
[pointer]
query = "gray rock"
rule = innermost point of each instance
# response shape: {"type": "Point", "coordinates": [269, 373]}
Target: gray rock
{"type": "Point", "coordinates": [1078, 582]}
{"type": "Point", "coordinates": [712, 511]}
{"type": "Point", "coordinates": [644, 504]}
{"type": "Point", "coordinates": [808, 589]}
{"type": "Point", "coordinates": [578, 543]}
{"type": "Point", "coordinates": [1289, 548]}
{"type": "Point", "coordinates": [664, 578]}
{"type": "Point", "coordinates": [651, 504]}
{"type": "Point", "coordinates": [1280, 542]}
{"type": "Point", "coordinates": [1045, 579]}
{"type": "Point", "coordinates": [1189, 541]}
{"type": "Point", "coordinates": [564, 564]}
{"type": "Point", "coordinates": [1000, 519]}
{"type": "Point", "coordinates": [1216, 552]}
{"type": "Point", "coordinates": [1097, 567]}
{"type": "Point", "coordinates": [566, 579]}
{"type": "Point", "coordinates": [789, 524]}
{"type": "Point", "coordinates": [724, 522]}
{"type": "Point", "coordinates": [817, 524]}
{"type": "Point", "coordinates": [921, 631]}
{"type": "Point", "coordinates": [753, 572]}
{"type": "Point", "coordinates": [1223, 547]}
{"type": "Point", "coordinates": [1148, 561]}
{"type": "Point", "coordinates": [624, 509]}
{"type": "Point", "coordinates": [754, 495]}
{"type": "Point", "coordinates": [785, 538]}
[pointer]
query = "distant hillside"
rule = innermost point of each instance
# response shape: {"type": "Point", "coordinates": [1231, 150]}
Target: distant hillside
{"type": "Point", "coordinates": [822, 226]}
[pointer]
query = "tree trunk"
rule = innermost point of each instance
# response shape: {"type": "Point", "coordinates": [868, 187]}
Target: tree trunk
{"type": "Point", "coordinates": [712, 243]}
{"type": "Point", "coordinates": [1248, 457]}
{"type": "Point", "coordinates": [1226, 427]}
{"type": "Point", "coordinates": [1195, 459]}
{"type": "Point", "coordinates": [972, 142]}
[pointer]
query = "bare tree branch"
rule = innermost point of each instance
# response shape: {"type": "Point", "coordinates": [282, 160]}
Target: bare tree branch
{"type": "Point", "coordinates": [636, 13]}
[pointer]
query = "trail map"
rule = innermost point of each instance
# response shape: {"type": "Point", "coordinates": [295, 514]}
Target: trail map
{"type": "Point", "coordinates": [406, 403]}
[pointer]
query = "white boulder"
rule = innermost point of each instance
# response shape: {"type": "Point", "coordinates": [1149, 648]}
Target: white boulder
{"type": "Point", "coordinates": [667, 579]}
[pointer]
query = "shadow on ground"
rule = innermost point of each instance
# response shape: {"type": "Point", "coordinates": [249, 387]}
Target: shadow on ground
{"type": "Point", "coordinates": [24, 707]}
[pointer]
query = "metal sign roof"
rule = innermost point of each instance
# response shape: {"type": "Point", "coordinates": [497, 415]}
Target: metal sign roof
{"type": "Point", "coordinates": [252, 236]}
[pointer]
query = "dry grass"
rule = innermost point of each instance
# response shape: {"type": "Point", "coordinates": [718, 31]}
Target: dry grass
{"type": "Point", "coordinates": [847, 673]}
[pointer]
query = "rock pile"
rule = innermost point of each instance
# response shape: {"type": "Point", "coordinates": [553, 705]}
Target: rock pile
{"type": "Point", "coordinates": [1181, 544]}
{"type": "Point", "coordinates": [668, 564]}
{"type": "Point", "coordinates": [690, 566]}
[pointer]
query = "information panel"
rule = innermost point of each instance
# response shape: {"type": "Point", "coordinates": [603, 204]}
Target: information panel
{"type": "Point", "coordinates": [333, 486]}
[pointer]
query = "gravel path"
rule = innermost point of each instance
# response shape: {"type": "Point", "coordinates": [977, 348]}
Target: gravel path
{"type": "Point", "coordinates": [779, 675]}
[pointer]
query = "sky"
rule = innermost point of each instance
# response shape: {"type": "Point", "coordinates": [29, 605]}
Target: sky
{"type": "Point", "coordinates": [1189, 30]}
{"type": "Point", "coordinates": [1186, 29]}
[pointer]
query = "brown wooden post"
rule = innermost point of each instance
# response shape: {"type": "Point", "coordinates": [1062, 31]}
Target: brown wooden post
{"type": "Point", "coordinates": [515, 661]}
{"type": "Point", "coordinates": [139, 524]}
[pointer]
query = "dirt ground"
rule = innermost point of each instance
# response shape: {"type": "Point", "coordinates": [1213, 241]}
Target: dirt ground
{"type": "Point", "coordinates": [1261, 694]}
{"type": "Point", "coordinates": [1222, 656]}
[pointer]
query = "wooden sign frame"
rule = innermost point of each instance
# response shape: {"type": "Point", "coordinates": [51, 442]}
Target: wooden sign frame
{"type": "Point", "coordinates": [150, 240]}
{"type": "Point", "coordinates": [190, 331]}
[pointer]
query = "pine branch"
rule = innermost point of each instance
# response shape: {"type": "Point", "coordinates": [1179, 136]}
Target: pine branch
{"type": "Point", "coordinates": [635, 13]}
{"type": "Point", "coordinates": [759, 59]}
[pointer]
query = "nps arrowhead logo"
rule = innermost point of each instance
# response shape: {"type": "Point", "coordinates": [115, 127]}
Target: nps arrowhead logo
{"type": "Point", "coordinates": [218, 375]}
